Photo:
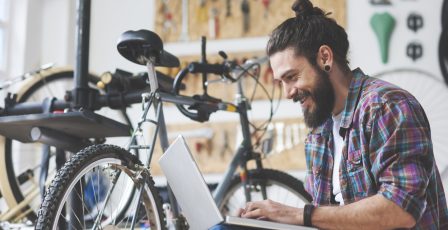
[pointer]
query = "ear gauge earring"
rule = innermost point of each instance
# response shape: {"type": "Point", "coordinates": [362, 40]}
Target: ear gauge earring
{"type": "Point", "coordinates": [327, 68]}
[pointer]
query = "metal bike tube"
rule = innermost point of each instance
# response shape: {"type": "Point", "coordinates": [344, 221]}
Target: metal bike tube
{"type": "Point", "coordinates": [163, 136]}
{"type": "Point", "coordinates": [81, 95]}
{"type": "Point", "coordinates": [166, 97]}
{"type": "Point", "coordinates": [219, 192]}
{"type": "Point", "coordinates": [241, 155]}
{"type": "Point", "coordinates": [242, 105]}
{"type": "Point", "coordinates": [245, 128]}
{"type": "Point", "coordinates": [81, 71]}
{"type": "Point", "coordinates": [137, 209]}
{"type": "Point", "coordinates": [145, 109]}
{"type": "Point", "coordinates": [158, 109]}
{"type": "Point", "coordinates": [45, 162]}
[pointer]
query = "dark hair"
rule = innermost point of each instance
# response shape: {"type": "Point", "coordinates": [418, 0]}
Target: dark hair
{"type": "Point", "coordinates": [310, 29]}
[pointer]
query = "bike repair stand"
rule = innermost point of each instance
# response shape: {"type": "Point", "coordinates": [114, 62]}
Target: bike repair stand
{"type": "Point", "coordinates": [81, 91]}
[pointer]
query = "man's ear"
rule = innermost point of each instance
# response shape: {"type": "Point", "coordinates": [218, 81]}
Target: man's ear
{"type": "Point", "coordinates": [325, 58]}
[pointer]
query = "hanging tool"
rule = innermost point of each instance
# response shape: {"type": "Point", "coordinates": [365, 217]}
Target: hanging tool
{"type": "Point", "coordinates": [168, 23]}
{"type": "Point", "coordinates": [201, 12]}
{"type": "Point", "coordinates": [415, 22]}
{"type": "Point", "coordinates": [213, 22]}
{"type": "Point", "coordinates": [225, 146]}
{"type": "Point", "coordinates": [184, 32]}
{"type": "Point", "coordinates": [228, 8]}
{"type": "Point", "coordinates": [414, 50]}
{"type": "Point", "coordinates": [280, 145]}
{"type": "Point", "coordinates": [245, 9]}
{"type": "Point", "coordinates": [266, 7]}
{"type": "Point", "coordinates": [380, 2]}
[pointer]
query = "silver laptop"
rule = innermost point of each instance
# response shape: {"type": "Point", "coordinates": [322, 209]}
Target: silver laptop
{"type": "Point", "coordinates": [193, 195]}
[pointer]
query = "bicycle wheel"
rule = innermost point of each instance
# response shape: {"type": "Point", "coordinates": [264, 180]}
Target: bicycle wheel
{"type": "Point", "coordinates": [56, 211]}
{"type": "Point", "coordinates": [20, 160]}
{"type": "Point", "coordinates": [432, 94]}
{"type": "Point", "coordinates": [20, 163]}
{"type": "Point", "coordinates": [280, 187]}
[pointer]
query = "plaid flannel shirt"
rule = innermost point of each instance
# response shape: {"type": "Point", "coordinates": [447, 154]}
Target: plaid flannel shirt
{"type": "Point", "coordinates": [387, 150]}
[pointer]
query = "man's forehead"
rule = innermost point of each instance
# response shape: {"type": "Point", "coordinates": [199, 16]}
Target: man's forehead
{"type": "Point", "coordinates": [285, 61]}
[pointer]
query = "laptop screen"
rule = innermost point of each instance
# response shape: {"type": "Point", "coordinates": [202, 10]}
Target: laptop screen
{"type": "Point", "coordinates": [189, 187]}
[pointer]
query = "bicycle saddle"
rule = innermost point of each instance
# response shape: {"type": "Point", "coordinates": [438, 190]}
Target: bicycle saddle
{"type": "Point", "coordinates": [139, 46]}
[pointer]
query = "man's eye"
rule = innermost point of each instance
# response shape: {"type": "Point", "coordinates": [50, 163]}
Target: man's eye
{"type": "Point", "coordinates": [291, 78]}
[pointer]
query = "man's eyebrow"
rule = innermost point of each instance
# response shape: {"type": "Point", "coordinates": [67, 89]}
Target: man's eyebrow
{"type": "Point", "coordinates": [287, 73]}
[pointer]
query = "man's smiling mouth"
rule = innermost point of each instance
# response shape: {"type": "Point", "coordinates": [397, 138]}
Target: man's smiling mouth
{"type": "Point", "coordinates": [301, 96]}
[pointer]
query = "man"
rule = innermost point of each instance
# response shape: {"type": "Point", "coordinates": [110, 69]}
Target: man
{"type": "Point", "coordinates": [370, 163]}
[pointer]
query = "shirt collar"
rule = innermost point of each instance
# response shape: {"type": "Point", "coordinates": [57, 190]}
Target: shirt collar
{"type": "Point", "coordinates": [352, 99]}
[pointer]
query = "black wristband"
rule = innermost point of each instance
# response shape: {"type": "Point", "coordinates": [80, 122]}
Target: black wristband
{"type": "Point", "coordinates": [307, 211]}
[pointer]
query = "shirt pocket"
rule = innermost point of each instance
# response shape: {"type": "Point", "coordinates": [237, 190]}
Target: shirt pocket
{"type": "Point", "coordinates": [358, 178]}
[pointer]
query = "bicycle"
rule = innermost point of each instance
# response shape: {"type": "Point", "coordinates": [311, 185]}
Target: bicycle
{"type": "Point", "coordinates": [20, 171]}
{"type": "Point", "coordinates": [65, 204]}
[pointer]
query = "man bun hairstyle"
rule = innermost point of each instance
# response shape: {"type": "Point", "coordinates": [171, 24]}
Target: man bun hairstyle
{"type": "Point", "coordinates": [304, 9]}
{"type": "Point", "coordinates": [307, 32]}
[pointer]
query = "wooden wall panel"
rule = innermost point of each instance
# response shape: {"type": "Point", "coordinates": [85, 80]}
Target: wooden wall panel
{"type": "Point", "coordinates": [262, 20]}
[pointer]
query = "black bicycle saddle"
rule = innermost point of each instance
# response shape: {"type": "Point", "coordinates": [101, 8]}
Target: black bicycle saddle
{"type": "Point", "coordinates": [139, 46]}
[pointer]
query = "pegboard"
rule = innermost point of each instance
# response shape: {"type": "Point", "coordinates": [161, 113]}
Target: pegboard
{"type": "Point", "coordinates": [221, 19]}
{"type": "Point", "coordinates": [213, 144]}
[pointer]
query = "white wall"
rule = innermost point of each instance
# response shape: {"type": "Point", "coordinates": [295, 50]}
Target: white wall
{"type": "Point", "coordinates": [57, 31]}
{"type": "Point", "coordinates": [17, 37]}
{"type": "Point", "coordinates": [110, 18]}
{"type": "Point", "coordinates": [364, 48]}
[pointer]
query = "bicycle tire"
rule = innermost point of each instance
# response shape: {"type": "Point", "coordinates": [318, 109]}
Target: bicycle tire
{"type": "Point", "coordinates": [431, 92]}
{"type": "Point", "coordinates": [291, 189]}
{"type": "Point", "coordinates": [77, 169]}
{"type": "Point", "coordinates": [53, 82]}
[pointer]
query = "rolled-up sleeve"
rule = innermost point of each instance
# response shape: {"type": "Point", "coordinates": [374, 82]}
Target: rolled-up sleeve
{"type": "Point", "coordinates": [401, 154]}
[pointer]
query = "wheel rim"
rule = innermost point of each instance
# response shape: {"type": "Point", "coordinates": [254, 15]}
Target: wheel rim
{"type": "Point", "coordinates": [152, 218]}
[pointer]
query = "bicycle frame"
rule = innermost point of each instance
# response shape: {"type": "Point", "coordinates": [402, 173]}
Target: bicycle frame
{"type": "Point", "coordinates": [156, 99]}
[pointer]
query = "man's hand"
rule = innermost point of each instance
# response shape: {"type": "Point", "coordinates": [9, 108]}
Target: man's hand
{"type": "Point", "coordinates": [375, 212]}
{"type": "Point", "coordinates": [272, 211]}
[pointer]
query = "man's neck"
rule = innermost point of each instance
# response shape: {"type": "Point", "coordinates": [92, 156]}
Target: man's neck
{"type": "Point", "coordinates": [341, 84]}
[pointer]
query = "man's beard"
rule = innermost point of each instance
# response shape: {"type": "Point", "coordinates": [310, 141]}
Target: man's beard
{"type": "Point", "coordinates": [323, 97]}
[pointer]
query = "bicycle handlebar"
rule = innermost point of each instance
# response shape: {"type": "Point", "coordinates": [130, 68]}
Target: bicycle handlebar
{"type": "Point", "coordinates": [219, 69]}
{"type": "Point", "coordinates": [203, 113]}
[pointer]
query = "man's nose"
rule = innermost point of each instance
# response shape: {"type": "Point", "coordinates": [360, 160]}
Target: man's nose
{"type": "Point", "coordinates": [289, 91]}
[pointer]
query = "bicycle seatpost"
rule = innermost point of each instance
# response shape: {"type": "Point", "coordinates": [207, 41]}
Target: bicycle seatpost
{"type": "Point", "coordinates": [152, 76]}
